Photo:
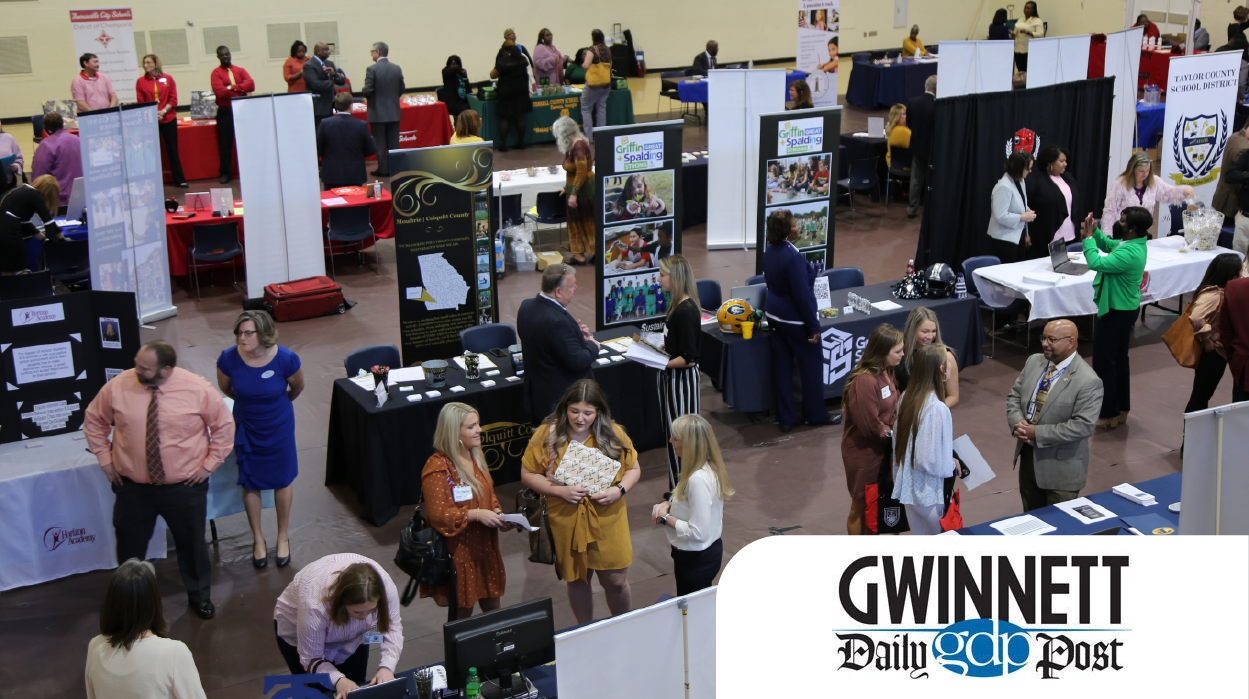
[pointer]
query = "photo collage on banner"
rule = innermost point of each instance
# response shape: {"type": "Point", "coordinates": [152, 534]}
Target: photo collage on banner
{"type": "Point", "coordinates": [798, 173]}
{"type": "Point", "coordinates": [818, 47]}
{"type": "Point", "coordinates": [639, 185]}
{"type": "Point", "coordinates": [443, 248]}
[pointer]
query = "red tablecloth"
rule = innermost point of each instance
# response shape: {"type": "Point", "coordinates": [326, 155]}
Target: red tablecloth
{"type": "Point", "coordinates": [421, 126]}
{"type": "Point", "coordinates": [1154, 67]}
{"type": "Point", "coordinates": [179, 231]}
{"type": "Point", "coordinates": [1097, 57]}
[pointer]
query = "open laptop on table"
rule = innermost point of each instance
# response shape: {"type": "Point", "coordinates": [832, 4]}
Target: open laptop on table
{"type": "Point", "coordinates": [753, 295]}
{"type": "Point", "coordinates": [1061, 263]}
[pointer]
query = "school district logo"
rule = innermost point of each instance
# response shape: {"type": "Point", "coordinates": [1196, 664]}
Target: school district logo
{"type": "Point", "coordinates": [800, 136]}
{"type": "Point", "coordinates": [55, 537]}
{"type": "Point", "coordinates": [1024, 140]}
{"type": "Point", "coordinates": [892, 515]}
{"type": "Point", "coordinates": [841, 351]}
{"type": "Point", "coordinates": [1197, 147]}
{"type": "Point", "coordinates": [104, 38]}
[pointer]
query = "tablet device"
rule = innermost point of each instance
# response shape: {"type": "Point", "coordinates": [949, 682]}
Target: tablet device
{"type": "Point", "coordinates": [399, 688]}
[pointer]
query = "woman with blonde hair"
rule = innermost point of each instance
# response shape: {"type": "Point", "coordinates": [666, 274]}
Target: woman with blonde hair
{"type": "Point", "coordinates": [923, 444]}
{"type": "Point", "coordinates": [693, 515]}
{"type": "Point", "coordinates": [590, 533]}
{"type": "Point", "coordinates": [579, 188]}
{"type": "Point", "coordinates": [467, 126]}
{"type": "Point", "coordinates": [321, 617]}
{"type": "Point", "coordinates": [17, 206]}
{"type": "Point", "coordinates": [869, 402]}
{"type": "Point", "coordinates": [678, 382]}
{"type": "Point", "coordinates": [461, 505]}
{"type": "Point", "coordinates": [1138, 186]}
{"type": "Point", "coordinates": [155, 86]}
{"type": "Point", "coordinates": [897, 133]}
{"type": "Point", "coordinates": [921, 331]}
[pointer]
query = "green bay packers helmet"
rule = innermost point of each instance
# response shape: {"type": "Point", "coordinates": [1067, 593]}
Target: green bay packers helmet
{"type": "Point", "coordinates": [732, 313]}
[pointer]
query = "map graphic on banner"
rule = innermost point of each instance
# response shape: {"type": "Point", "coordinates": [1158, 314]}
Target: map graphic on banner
{"type": "Point", "coordinates": [1201, 102]}
{"type": "Point", "coordinates": [445, 289]}
{"type": "Point", "coordinates": [109, 34]}
{"type": "Point", "coordinates": [818, 47]}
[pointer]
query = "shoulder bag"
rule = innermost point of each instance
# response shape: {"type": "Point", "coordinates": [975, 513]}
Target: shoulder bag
{"type": "Point", "coordinates": [533, 506]}
{"type": "Point", "coordinates": [423, 554]}
{"type": "Point", "coordinates": [884, 514]}
{"type": "Point", "coordinates": [599, 73]}
{"type": "Point", "coordinates": [1181, 341]}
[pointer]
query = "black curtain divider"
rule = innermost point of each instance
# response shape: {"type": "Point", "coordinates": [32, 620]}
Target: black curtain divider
{"type": "Point", "coordinates": [970, 147]}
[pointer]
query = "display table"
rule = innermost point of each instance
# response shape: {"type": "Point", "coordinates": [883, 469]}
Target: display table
{"type": "Point", "coordinates": [1165, 490]}
{"type": "Point", "coordinates": [860, 147]}
{"type": "Point", "coordinates": [180, 231]}
{"type": "Point", "coordinates": [1149, 120]}
{"type": "Point", "coordinates": [546, 109]}
{"type": "Point", "coordinates": [1168, 273]}
{"type": "Point", "coordinates": [875, 86]}
{"type": "Point", "coordinates": [694, 89]}
{"type": "Point", "coordinates": [694, 191]}
{"type": "Point", "coordinates": [380, 452]}
{"type": "Point", "coordinates": [420, 125]}
{"type": "Point", "coordinates": [741, 368]}
{"type": "Point", "coordinates": [1155, 64]}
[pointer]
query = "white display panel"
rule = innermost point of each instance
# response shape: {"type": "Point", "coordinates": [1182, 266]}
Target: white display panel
{"type": "Point", "coordinates": [648, 641]}
{"type": "Point", "coordinates": [1123, 62]}
{"type": "Point", "coordinates": [700, 640]}
{"type": "Point", "coordinates": [971, 67]}
{"type": "Point", "coordinates": [301, 187]}
{"type": "Point", "coordinates": [1216, 484]}
{"type": "Point", "coordinates": [1059, 59]}
{"type": "Point", "coordinates": [726, 172]}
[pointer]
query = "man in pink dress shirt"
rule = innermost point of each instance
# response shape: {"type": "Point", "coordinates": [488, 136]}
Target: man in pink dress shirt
{"type": "Point", "coordinates": [59, 154]}
{"type": "Point", "coordinates": [92, 89]}
{"type": "Point", "coordinates": [171, 430]}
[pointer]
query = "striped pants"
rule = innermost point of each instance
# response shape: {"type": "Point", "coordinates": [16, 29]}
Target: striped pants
{"type": "Point", "coordinates": [678, 395]}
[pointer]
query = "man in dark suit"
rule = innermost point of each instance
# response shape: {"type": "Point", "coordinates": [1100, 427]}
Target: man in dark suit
{"type": "Point", "coordinates": [320, 77]}
{"type": "Point", "coordinates": [706, 60]}
{"type": "Point", "coordinates": [383, 84]}
{"type": "Point", "coordinates": [559, 349]}
{"type": "Point", "coordinates": [343, 143]}
{"type": "Point", "coordinates": [1234, 333]}
{"type": "Point", "coordinates": [920, 113]}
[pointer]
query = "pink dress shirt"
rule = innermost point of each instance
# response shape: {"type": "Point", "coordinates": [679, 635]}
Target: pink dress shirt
{"type": "Point", "coordinates": [1121, 197]}
{"type": "Point", "coordinates": [196, 428]}
{"type": "Point", "coordinates": [303, 619]}
{"type": "Point", "coordinates": [1067, 231]}
{"type": "Point", "coordinates": [59, 155]}
{"type": "Point", "coordinates": [97, 92]}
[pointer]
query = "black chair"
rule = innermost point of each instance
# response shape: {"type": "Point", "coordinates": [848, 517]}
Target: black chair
{"type": "Point", "coordinates": [864, 57]}
{"type": "Point", "coordinates": [753, 280]}
{"type": "Point", "coordinates": [373, 355]}
{"type": "Point", "coordinates": [483, 338]}
{"type": "Point", "coordinates": [36, 125]}
{"type": "Point", "coordinates": [668, 87]}
{"type": "Point", "coordinates": [69, 261]}
{"type": "Point", "coordinates": [214, 243]}
{"type": "Point", "coordinates": [843, 277]}
{"type": "Point", "coordinates": [862, 178]}
{"type": "Point", "coordinates": [509, 209]}
{"type": "Point", "coordinates": [551, 210]}
{"type": "Point", "coordinates": [351, 225]}
{"type": "Point", "coordinates": [1075, 247]}
{"type": "Point", "coordinates": [1009, 311]}
{"type": "Point", "coordinates": [709, 294]}
{"type": "Point", "coordinates": [893, 53]}
{"type": "Point", "coordinates": [899, 170]}
{"type": "Point", "coordinates": [25, 286]}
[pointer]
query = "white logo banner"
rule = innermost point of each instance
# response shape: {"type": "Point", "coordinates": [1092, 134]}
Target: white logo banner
{"type": "Point", "coordinates": [1201, 104]}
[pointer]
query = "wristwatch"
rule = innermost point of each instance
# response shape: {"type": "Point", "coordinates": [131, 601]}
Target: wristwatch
{"type": "Point", "coordinates": [622, 489]}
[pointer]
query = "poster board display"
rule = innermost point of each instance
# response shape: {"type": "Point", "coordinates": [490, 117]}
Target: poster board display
{"type": "Point", "coordinates": [56, 353]}
{"type": "Point", "coordinates": [109, 34]}
{"type": "Point", "coordinates": [797, 168]}
{"type": "Point", "coordinates": [1201, 105]}
{"type": "Point", "coordinates": [442, 245]}
{"type": "Point", "coordinates": [819, 29]}
{"type": "Point", "coordinates": [637, 202]}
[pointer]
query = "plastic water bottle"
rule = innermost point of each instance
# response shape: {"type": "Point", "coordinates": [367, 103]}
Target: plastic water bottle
{"type": "Point", "coordinates": [960, 287]}
{"type": "Point", "coordinates": [472, 688]}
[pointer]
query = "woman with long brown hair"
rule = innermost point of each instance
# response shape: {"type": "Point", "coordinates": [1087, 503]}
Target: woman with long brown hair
{"type": "Point", "coordinates": [923, 443]}
{"type": "Point", "coordinates": [869, 403]}
{"type": "Point", "coordinates": [800, 95]}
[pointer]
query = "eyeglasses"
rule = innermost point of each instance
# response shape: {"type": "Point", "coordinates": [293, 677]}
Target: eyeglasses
{"type": "Point", "coordinates": [247, 333]}
{"type": "Point", "coordinates": [1051, 340]}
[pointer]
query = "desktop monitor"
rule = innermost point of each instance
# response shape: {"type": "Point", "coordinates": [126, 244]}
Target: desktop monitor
{"type": "Point", "coordinates": [77, 202]}
{"type": "Point", "coordinates": [498, 644]}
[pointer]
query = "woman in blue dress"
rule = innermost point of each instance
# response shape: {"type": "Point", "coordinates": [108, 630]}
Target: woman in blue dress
{"type": "Point", "coordinates": [263, 378]}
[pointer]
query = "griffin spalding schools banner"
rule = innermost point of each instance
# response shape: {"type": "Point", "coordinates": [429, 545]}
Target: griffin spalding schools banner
{"type": "Point", "coordinates": [1201, 104]}
{"type": "Point", "coordinates": [109, 34]}
{"type": "Point", "coordinates": [986, 616]}
{"type": "Point", "coordinates": [819, 24]}
{"type": "Point", "coordinates": [443, 249]}
{"type": "Point", "coordinates": [798, 166]}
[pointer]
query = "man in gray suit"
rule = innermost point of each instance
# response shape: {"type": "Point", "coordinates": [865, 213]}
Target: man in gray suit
{"type": "Point", "coordinates": [383, 84]}
{"type": "Point", "coordinates": [320, 77]}
{"type": "Point", "coordinates": [1052, 411]}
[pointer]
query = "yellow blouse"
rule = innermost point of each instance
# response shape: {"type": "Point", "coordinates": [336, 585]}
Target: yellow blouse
{"type": "Point", "coordinates": [899, 136]}
{"type": "Point", "coordinates": [911, 48]}
{"type": "Point", "coordinates": [456, 140]}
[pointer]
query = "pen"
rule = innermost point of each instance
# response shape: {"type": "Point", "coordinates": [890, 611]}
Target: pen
{"type": "Point", "coordinates": [1130, 527]}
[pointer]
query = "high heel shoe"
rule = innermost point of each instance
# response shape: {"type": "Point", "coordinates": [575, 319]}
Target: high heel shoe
{"type": "Point", "coordinates": [1122, 419]}
{"type": "Point", "coordinates": [1108, 422]}
{"type": "Point", "coordinates": [260, 562]}
{"type": "Point", "coordinates": [284, 561]}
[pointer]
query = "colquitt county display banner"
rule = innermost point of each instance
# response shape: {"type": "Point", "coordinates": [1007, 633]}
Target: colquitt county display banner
{"type": "Point", "coordinates": [1201, 102]}
{"type": "Point", "coordinates": [444, 284]}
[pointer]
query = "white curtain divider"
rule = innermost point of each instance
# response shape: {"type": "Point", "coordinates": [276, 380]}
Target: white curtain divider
{"type": "Point", "coordinates": [1059, 59]}
{"type": "Point", "coordinates": [1123, 62]}
{"type": "Point", "coordinates": [971, 67]}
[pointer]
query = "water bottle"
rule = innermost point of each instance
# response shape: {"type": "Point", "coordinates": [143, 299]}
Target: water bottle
{"type": "Point", "coordinates": [498, 257]}
{"type": "Point", "coordinates": [472, 688]}
{"type": "Point", "coordinates": [960, 287]}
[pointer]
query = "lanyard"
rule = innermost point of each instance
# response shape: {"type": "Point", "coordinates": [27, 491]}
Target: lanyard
{"type": "Point", "coordinates": [1042, 385]}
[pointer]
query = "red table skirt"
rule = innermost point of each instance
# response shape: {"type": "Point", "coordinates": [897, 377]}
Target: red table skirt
{"type": "Point", "coordinates": [1154, 68]}
{"type": "Point", "coordinates": [421, 126]}
{"type": "Point", "coordinates": [179, 231]}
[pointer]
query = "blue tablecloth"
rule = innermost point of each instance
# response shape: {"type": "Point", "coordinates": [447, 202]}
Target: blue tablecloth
{"type": "Point", "coordinates": [1149, 124]}
{"type": "Point", "coordinates": [34, 246]}
{"type": "Point", "coordinates": [696, 91]}
{"type": "Point", "coordinates": [1165, 490]}
{"type": "Point", "coordinates": [880, 87]}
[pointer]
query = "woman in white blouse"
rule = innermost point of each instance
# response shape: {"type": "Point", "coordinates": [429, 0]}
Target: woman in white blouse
{"type": "Point", "coordinates": [693, 516]}
{"type": "Point", "coordinates": [132, 658]}
{"type": "Point", "coordinates": [324, 615]}
{"type": "Point", "coordinates": [923, 443]}
{"type": "Point", "coordinates": [1009, 213]}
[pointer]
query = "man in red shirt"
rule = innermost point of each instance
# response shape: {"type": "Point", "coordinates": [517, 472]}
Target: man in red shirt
{"type": "Point", "coordinates": [228, 82]}
{"type": "Point", "coordinates": [1234, 333]}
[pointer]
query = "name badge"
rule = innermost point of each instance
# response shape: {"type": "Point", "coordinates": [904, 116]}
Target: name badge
{"type": "Point", "coordinates": [462, 493]}
{"type": "Point", "coordinates": [1031, 412]}
{"type": "Point", "coordinates": [885, 392]}
{"type": "Point", "coordinates": [372, 638]}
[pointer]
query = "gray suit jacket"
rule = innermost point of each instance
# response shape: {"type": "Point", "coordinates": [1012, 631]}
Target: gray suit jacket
{"type": "Point", "coordinates": [383, 84]}
{"type": "Point", "coordinates": [1064, 425]}
{"type": "Point", "coordinates": [321, 86]}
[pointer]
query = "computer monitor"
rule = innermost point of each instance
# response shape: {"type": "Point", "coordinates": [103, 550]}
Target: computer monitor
{"type": "Point", "coordinates": [77, 201]}
{"type": "Point", "coordinates": [498, 644]}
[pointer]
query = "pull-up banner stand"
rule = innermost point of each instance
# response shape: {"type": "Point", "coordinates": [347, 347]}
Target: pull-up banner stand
{"type": "Point", "coordinates": [797, 171]}
{"type": "Point", "coordinates": [1123, 63]}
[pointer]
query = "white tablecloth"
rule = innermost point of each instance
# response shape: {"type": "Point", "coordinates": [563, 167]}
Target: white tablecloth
{"type": "Point", "coordinates": [1168, 273]}
{"type": "Point", "coordinates": [529, 187]}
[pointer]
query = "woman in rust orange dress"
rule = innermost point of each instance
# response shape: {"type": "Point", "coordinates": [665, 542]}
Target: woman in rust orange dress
{"type": "Point", "coordinates": [579, 169]}
{"type": "Point", "coordinates": [461, 505]}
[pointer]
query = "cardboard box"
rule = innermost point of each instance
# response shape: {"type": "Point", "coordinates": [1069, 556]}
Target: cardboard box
{"type": "Point", "coordinates": [549, 258]}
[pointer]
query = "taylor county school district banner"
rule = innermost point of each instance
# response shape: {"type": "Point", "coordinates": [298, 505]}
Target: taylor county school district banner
{"type": "Point", "coordinates": [985, 616]}
{"type": "Point", "coordinates": [819, 23]}
{"type": "Point", "coordinates": [1201, 103]}
{"type": "Point", "coordinates": [108, 34]}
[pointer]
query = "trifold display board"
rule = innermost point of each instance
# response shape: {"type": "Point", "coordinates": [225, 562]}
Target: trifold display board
{"type": "Point", "coordinates": [637, 202]}
{"type": "Point", "coordinates": [121, 170]}
{"type": "Point", "coordinates": [797, 170]}
{"type": "Point", "coordinates": [444, 253]}
{"type": "Point", "coordinates": [277, 150]}
{"type": "Point", "coordinates": [57, 352]}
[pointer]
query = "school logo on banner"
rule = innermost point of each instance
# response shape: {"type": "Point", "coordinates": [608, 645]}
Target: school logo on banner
{"type": "Point", "coordinates": [639, 151]}
{"type": "Point", "coordinates": [841, 351]}
{"type": "Point", "coordinates": [1025, 140]}
{"type": "Point", "coordinates": [800, 136]}
{"type": "Point", "coordinates": [1197, 146]}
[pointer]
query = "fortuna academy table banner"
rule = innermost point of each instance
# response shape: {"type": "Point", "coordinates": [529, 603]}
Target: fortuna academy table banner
{"type": "Point", "coordinates": [1201, 102]}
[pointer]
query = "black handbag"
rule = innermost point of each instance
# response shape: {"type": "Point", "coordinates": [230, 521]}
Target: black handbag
{"type": "Point", "coordinates": [890, 514]}
{"type": "Point", "coordinates": [423, 555]}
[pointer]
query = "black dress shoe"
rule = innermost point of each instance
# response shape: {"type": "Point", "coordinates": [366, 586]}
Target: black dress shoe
{"type": "Point", "coordinates": [204, 610]}
{"type": "Point", "coordinates": [785, 428]}
{"type": "Point", "coordinates": [260, 562]}
{"type": "Point", "coordinates": [832, 419]}
{"type": "Point", "coordinates": [225, 179]}
{"type": "Point", "coordinates": [284, 561]}
{"type": "Point", "coordinates": [910, 215]}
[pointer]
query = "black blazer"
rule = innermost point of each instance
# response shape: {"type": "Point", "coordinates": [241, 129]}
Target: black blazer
{"type": "Point", "coordinates": [920, 113]}
{"type": "Point", "coordinates": [321, 86]}
{"type": "Point", "coordinates": [700, 64]}
{"type": "Point", "coordinates": [556, 355]}
{"type": "Point", "coordinates": [343, 142]}
{"type": "Point", "coordinates": [1046, 199]}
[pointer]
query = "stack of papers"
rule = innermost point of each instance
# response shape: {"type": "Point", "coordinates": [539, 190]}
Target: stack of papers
{"type": "Point", "coordinates": [405, 374]}
{"type": "Point", "coordinates": [1086, 510]}
{"type": "Point", "coordinates": [364, 381]}
{"type": "Point", "coordinates": [886, 305]}
{"type": "Point", "coordinates": [620, 344]}
{"type": "Point", "coordinates": [1023, 525]}
{"type": "Point", "coordinates": [1134, 494]}
{"type": "Point", "coordinates": [483, 362]}
{"type": "Point", "coordinates": [643, 354]}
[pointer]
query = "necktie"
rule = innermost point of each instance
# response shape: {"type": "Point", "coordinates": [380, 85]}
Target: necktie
{"type": "Point", "coordinates": [155, 469]}
{"type": "Point", "coordinates": [1044, 389]}
{"type": "Point", "coordinates": [230, 75]}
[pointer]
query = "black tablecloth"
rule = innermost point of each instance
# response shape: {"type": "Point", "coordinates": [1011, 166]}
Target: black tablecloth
{"type": "Point", "coordinates": [880, 87]}
{"type": "Point", "coordinates": [694, 192]}
{"type": "Point", "coordinates": [863, 147]}
{"type": "Point", "coordinates": [741, 369]}
{"type": "Point", "coordinates": [380, 452]}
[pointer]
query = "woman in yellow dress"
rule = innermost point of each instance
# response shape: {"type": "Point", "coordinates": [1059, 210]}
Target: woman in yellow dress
{"type": "Point", "coordinates": [590, 532]}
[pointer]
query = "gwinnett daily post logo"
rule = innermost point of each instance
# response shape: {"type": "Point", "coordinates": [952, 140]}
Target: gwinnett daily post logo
{"type": "Point", "coordinates": [800, 136]}
{"type": "Point", "coordinates": [639, 151]}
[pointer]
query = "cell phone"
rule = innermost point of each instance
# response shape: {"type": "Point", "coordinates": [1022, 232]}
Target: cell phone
{"type": "Point", "coordinates": [183, 217]}
{"type": "Point", "coordinates": [498, 352]}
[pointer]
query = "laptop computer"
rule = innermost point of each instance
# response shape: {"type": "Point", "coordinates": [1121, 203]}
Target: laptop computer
{"type": "Point", "coordinates": [753, 295]}
{"type": "Point", "coordinates": [1060, 262]}
{"type": "Point", "coordinates": [77, 202]}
